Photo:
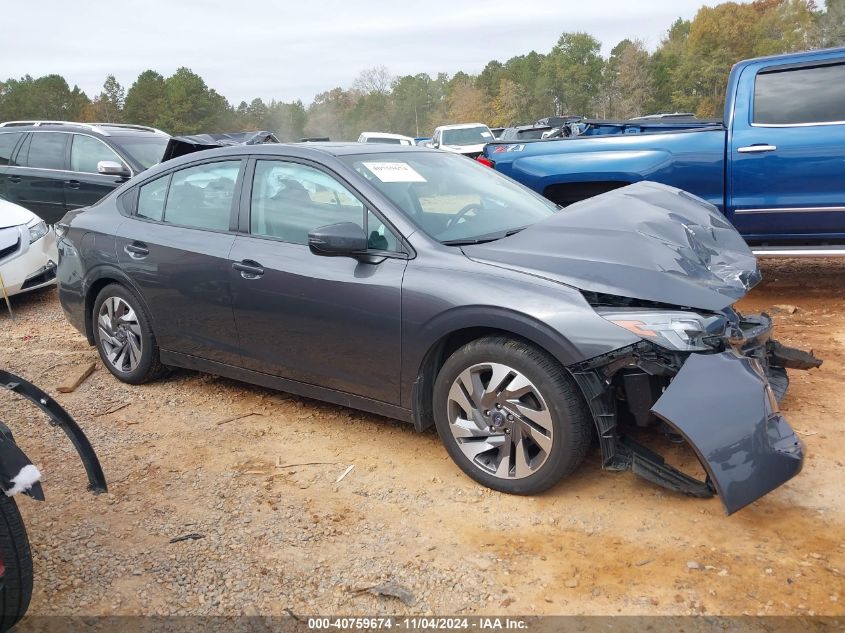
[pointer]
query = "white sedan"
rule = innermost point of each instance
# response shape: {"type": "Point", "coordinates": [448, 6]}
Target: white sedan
{"type": "Point", "coordinates": [28, 251]}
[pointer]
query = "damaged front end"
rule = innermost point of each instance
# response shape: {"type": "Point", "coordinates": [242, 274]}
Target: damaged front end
{"type": "Point", "coordinates": [714, 381]}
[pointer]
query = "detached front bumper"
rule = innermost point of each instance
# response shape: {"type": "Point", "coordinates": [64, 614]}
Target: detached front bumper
{"type": "Point", "coordinates": [724, 404]}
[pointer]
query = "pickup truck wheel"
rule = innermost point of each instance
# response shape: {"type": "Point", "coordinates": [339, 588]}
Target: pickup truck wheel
{"type": "Point", "coordinates": [16, 560]}
{"type": "Point", "coordinates": [123, 336]}
{"type": "Point", "coordinates": [510, 416]}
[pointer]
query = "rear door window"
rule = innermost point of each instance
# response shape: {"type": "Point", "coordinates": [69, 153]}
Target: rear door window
{"type": "Point", "coordinates": [201, 196]}
{"type": "Point", "coordinates": [800, 96]}
{"type": "Point", "coordinates": [151, 198]}
{"type": "Point", "coordinates": [8, 140]}
{"type": "Point", "coordinates": [47, 150]}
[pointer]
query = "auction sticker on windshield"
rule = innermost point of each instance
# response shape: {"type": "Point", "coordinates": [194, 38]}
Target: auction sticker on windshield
{"type": "Point", "coordinates": [394, 172]}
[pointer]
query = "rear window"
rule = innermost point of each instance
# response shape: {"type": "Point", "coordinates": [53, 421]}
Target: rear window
{"type": "Point", "coordinates": [801, 95]}
{"type": "Point", "coordinates": [7, 145]}
{"type": "Point", "coordinates": [390, 141]}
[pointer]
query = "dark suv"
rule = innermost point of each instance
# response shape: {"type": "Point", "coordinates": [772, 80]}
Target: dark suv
{"type": "Point", "coordinates": [51, 167]}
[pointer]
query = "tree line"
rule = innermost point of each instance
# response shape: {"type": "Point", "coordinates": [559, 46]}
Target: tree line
{"type": "Point", "coordinates": [687, 72]}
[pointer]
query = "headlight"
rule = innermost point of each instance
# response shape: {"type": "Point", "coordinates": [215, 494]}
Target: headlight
{"type": "Point", "coordinates": [37, 230]}
{"type": "Point", "coordinates": [675, 330]}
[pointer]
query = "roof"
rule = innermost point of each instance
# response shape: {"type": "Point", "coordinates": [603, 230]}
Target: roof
{"type": "Point", "coordinates": [460, 126]}
{"type": "Point", "coordinates": [303, 150]}
{"type": "Point", "coordinates": [820, 54]}
{"type": "Point", "coordinates": [104, 129]}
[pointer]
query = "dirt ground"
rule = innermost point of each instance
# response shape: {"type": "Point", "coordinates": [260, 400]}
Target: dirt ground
{"type": "Point", "coordinates": [279, 536]}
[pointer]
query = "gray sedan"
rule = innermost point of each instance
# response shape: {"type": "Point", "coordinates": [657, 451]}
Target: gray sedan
{"type": "Point", "coordinates": [422, 286]}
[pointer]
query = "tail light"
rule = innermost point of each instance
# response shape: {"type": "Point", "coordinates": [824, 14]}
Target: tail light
{"type": "Point", "coordinates": [485, 161]}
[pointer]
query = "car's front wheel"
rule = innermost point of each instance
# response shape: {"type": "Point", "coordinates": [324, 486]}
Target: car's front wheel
{"type": "Point", "coordinates": [510, 416]}
{"type": "Point", "coordinates": [124, 337]}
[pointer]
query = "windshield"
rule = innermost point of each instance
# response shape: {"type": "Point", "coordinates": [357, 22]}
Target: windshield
{"type": "Point", "coordinates": [146, 150]}
{"type": "Point", "coordinates": [467, 136]}
{"type": "Point", "coordinates": [450, 197]}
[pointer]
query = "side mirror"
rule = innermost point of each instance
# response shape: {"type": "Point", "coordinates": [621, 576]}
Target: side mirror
{"type": "Point", "coordinates": [111, 168]}
{"type": "Point", "coordinates": [345, 238]}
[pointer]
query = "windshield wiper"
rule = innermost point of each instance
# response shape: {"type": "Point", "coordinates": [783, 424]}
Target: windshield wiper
{"type": "Point", "coordinates": [483, 239]}
{"type": "Point", "coordinates": [467, 242]}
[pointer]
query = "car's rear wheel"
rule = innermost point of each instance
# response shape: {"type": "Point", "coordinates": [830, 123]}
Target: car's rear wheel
{"type": "Point", "coordinates": [16, 561]}
{"type": "Point", "coordinates": [510, 416]}
{"type": "Point", "coordinates": [123, 335]}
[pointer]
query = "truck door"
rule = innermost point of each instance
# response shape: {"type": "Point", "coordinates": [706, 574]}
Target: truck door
{"type": "Point", "coordinates": [787, 152]}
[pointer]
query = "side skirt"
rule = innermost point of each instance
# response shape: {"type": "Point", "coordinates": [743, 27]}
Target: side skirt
{"type": "Point", "coordinates": [288, 386]}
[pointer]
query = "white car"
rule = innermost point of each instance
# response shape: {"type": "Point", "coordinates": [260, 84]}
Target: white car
{"type": "Point", "coordinates": [28, 252]}
{"type": "Point", "coordinates": [463, 138]}
{"type": "Point", "coordinates": [385, 137]}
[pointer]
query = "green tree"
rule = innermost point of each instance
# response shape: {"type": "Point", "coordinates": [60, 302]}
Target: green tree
{"type": "Point", "coordinates": [628, 82]}
{"type": "Point", "coordinates": [189, 106]}
{"type": "Point", "coordinates": [831, 23]}
{"type": "Point", "coordinates": [509, 103]}
{"type": "Point", "coordinates": [107, 107]}
{"type": "Point", "coordinates": [144, 101]}
{"type": "Point", "coordinates": [722, 35]}
{"type": "Point", "coordinates": [47, 97]}
{"type": "Point", "coordinates": [662, 65]}
{"type": "Point", "coordinates": [571, 75]}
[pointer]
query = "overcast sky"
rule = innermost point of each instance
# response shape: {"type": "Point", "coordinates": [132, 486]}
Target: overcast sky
{"type": "Point", "coordinates": [294, 50]}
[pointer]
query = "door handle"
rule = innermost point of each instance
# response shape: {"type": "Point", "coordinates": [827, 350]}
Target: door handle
{"type": "Point", "coordinates": [249, 269]}
{"type": "Point", "coordinates": [136, 250]}
{"type": "Point", "coordinates": [14, 179]}
{"type": "Point", "coordinates": [753, 149]}
{"type": "Point", "coordinates": [73, 184]}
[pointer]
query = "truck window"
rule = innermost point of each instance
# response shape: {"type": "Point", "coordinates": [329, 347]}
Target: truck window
{"type": "Point", "coordinates": [800, 96]}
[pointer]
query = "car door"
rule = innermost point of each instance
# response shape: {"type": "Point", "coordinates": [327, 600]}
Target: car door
{"type": "Point", "coordinates": [327, 321]}
{"type": "Point", "coordinates": [86, 185]}
{"type": "Point", "coordinates": [787, 169]}
{"type": "Point", "coordinates": [36, 178]}
{"type": "Point", "coordinates": [8, 141]}
{"type": "Point", "coordinates": [175, 248]}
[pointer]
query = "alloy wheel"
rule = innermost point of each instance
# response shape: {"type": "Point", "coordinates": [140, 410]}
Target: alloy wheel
{"type": "Point", "coordinates": [500, 420]}
{"type": "Point", "coordinates": [120, 334]}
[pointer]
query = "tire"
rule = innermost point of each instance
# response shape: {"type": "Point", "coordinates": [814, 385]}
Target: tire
{"type": "Point", "coordinates": [521, 437]}
{"type": "Point", "coordinates": [126, 342]}
{"type": "Point", "coordinates": [16, 590]}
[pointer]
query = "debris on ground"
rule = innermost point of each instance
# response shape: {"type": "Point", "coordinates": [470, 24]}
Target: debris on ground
{"type": "Point", "coordinates": [193, 536]}
{"type": "Point", "coordinates": [344, 473]}
{"type": "Point", "coordinates": [392, 590]}
{"type": "Point", "coordinates": [76, 377]}
{"type": "Point", "coordinates": [240, 416]}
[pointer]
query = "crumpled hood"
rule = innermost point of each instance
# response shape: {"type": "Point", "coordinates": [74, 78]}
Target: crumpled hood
{"type": "Point", "coordinates": [644, 241]}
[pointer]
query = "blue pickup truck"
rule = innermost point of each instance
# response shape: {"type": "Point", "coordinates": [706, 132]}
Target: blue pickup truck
{"type": "Point", "coordinates": [775, 165]}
